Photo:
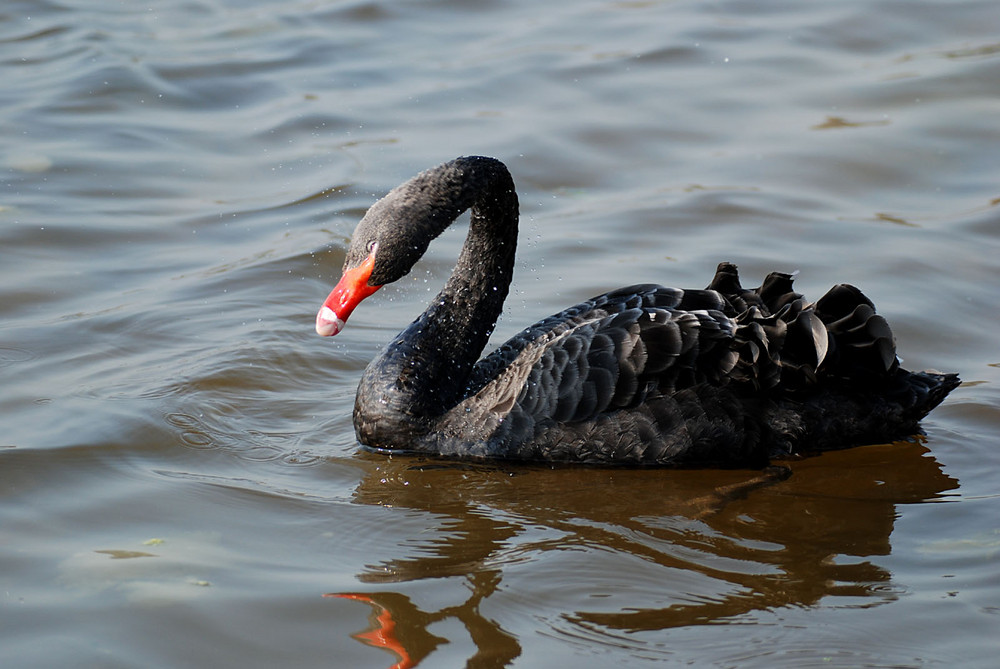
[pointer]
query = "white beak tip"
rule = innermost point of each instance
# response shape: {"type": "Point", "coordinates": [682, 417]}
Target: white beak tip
{"type": "Point", "coordinates": [327, 323]}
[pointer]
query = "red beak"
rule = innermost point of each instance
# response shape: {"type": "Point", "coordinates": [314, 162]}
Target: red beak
{"type": "Point", "coordinates": [349, 293]}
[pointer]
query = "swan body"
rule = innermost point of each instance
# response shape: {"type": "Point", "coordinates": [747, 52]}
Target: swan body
{"type": "Point", "coordinates": [642, 375]}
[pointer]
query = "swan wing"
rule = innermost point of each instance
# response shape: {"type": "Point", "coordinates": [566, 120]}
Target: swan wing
{"type": "Point", "coordinates": [603, 364]}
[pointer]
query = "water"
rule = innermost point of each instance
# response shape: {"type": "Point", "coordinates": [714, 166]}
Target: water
{"type": "Point", "coordinates": [180, 480]}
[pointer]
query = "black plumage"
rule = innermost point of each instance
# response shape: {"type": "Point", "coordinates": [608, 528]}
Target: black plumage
{"type": "Point", "coordinates": [643, 375]}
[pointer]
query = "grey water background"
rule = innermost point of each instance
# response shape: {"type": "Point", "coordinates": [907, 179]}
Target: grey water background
{"type": "Point", "coordinates": [179, 479]}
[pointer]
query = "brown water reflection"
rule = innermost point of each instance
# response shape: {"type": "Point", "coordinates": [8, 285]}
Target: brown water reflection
{"type": "Point", "coordinates": [747, 541]}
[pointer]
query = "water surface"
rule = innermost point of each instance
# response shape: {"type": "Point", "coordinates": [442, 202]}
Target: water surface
{"type": "Point", "coordinates": [179, 477]}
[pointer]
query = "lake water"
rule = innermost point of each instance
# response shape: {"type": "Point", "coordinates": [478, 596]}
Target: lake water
{"type": "Point", "coordinates": [179, 479]}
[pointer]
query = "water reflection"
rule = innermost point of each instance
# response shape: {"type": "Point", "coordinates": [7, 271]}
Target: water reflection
{"type": "Point", "coordinates": [411, 642]}
{"type": "Point", "coordinates": [653, 549]}
{"type": "Point", "coordinates": [399, 626]}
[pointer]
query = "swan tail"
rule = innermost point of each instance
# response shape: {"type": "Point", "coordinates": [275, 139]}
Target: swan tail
{"type": "Point", "coordinates": [918, 393]}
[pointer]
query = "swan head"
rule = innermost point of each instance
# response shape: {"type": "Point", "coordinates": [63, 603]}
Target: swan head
{"type": "Point", "coordinates": [396, 231]}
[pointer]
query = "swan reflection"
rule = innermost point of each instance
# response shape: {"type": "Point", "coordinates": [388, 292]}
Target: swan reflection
{"type": "Point", "coordinates": [615, 555]}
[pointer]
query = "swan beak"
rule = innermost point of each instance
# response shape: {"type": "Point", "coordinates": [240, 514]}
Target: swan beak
{"type": "Point", "coordinates": [349, 292]}
{"type": "Point", "coordinates": [327, 323]}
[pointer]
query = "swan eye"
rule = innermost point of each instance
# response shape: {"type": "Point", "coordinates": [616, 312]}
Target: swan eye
{"type": "Point", "coordinates": [371, 246]}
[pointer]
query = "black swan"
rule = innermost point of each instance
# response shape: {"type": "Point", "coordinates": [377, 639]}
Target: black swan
{"type": "Point", "coordinates": [643, 375]}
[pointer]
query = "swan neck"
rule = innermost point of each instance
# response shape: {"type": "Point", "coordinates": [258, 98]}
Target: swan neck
{"type": "Point", "coordinates": [425, 370]}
